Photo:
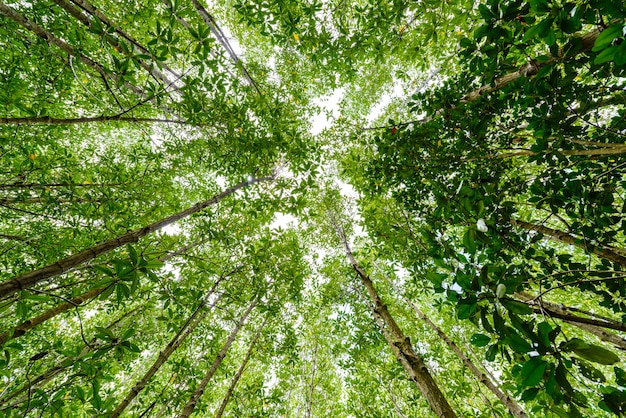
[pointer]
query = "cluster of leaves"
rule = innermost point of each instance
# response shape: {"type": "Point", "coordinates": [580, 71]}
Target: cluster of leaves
{"type": "Point", "coordinates": [531, 131]}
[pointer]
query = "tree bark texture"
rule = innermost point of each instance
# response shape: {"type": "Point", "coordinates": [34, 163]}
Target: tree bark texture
{"type": "Point", "coordinates": [32, 278]}
{"type": "Point", "coordinates": [191, 404]}
{"type": "Point", "coordinates": [565, 238]}
{"type": "Point", "coordinates": [240, 372]}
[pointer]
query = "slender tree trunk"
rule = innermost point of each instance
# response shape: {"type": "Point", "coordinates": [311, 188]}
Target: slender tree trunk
{"type": "Point", "coordinates": [186, 25]}
{"type": "Point", "coordinates": [47, 375]}
{"type": "Point", "coordinates": [240, 372]}
{"type": "Point", "coordinates": [26, 326]}
{"type": "Point", "coordinates": [531, 68]}
{"type": "Point", "coordinates": [221, 38]}
{"type": "Point", "coordinates": [413, 363]}
{"type": "Point", "coordinates": [188, 327]}
{"type": "Point", "coordinates": [511, 404]}
{"type": "Point", "coordinates": [91, 9]}
{"type": "Point", "coordinates": [191, 404]}
{"type": "Point", "coordinates": [85, 20]}
{"type": "Point", "coordinates": [565, 238]}
{"type": "Point", "coordinates": [32, 278]}
{"type": "Point", "coordinates": [309, 405]}
{"type": "Point", "coordinates": [563, 313]}
{"type": "Point", "coordinates": [47, 120]}
{"type": "Point", "coordinates": [64, 46]}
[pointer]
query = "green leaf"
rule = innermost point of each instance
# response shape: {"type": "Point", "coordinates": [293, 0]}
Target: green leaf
{"type": "Point", "coordinates": [590, 352]}
{"type": "Point", "coordinates": [517, 343]}
{"type": "Point", "coordinates": [607, 36]}
{"type": "Point", "coordinates": [517, 307]}
{"type": "Point", "coordinates": [133, 254]}
{"type": "Point", "coordinates": [480, 340]}
{"type": "Point", "coordinates": [606, 55]}
{"type": "Point", "coordinates": [154, 264]}
{"type": "Point", "coordinates": [532, 371]}
{"type": "Point", "coordinates": [590, 372]}
{"type": "Point", "coordinates": [468, 242]}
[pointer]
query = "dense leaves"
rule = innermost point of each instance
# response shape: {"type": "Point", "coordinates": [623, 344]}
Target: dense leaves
{"type": "Point", "coordinates": [471, 163]}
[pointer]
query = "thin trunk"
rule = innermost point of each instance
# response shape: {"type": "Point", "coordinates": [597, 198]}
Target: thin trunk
{"type": "Point", "coordinates": [565, 238]}
{"type": "Point", "coordinates": [187, 26]}
{"type": "Point", "coordinates": [188, 327]}
{"type": "Point", "coordinates": [47, 375]}
{"type": "Point", "coordinates": [32, 278]}
{"type": "Point", "coordinates": [74, 121]}
{"type": "Point", "coordinates": [240, 372]}
{"type": "Point", "coordinates": [191, 404]}
{"type": "Point", "coordinates": [221, 38]}
{"type": "Point", "coordinates": [85, 20]}
{"type": "Point", "coordinates": [309, 405]}
{"type": "Point", "coordinates": [417, 369]}
{"type": "Point", "coordinates": [563, 313]}
{"type": "Point", "coordinates": [604, 151]}
{"type": "Point", "coordinates": [26, 326]}
{"type": "Point", "coordinates": [531, 68]}
{"type": "Point", "coordinates": [88, 7]}
{"type": "Point", "coordinates": [511, 404]}
{"type": "Point", "coordinates": [413, 363]}
{"type": "Point", "coordinates": [35, 200]}
{"type": "Point", "coordinates": [64, 46]}
{"type": "Point", "coordinates": [19, 185]}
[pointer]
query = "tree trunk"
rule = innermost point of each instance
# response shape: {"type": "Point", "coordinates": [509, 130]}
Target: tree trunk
{"type": "Point", "coordinates": [561, 312]}
{"type": "Point", "coordinates": [113, 41]}
{"type": "Point", "coordinates": [565, 238]}
{"type": "Point", "coordinates": [74, 121]}
{"type": "Point", "coordinates": [91, 9]}
{"type": "Point", "coordinates": [26, 326]}
{"type": "Point", "coordinates": [511, 404]}
{"type": "Point", "coordinates": [188, 327]}
{"type": "Point", "coordinates": [239, 373]}
{"type": "Point", "coordinates": [64, 46]}
{"type": "Point", "coordinates": [221, 38]}
{"type": "Point", "coordinates": [309, 404]}
{"type": "Point", "coordinates": [410, 360]}
{"type": "Point", "coordinates": [531, 68]}
{"type": "Point", "coordinates": [47, 375]}
{"type": "Point", "coordinates": [32, 278]}
{"type": "Point", "coordinates": [191, 404]}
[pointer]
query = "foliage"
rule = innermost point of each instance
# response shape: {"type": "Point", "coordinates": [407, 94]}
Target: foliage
{"type": "Point", "coordinates": [492, 197]}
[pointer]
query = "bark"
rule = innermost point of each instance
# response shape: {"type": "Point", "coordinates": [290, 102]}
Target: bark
{"type": "Point", "coordinates": [221, 38]}
{"type": "Point", "coordinates": [75, 121]}
{"type": "Point", "coordinates": [565, 238]}
{"type": "Point", "coordinates": [604, 151]}
{"type": "Point", "coordinates": [309, 405]}
{"type": "Point", "coordinates": [64, 46]}
{"type": "Point", "coordinates": [191, 404]}
{"type": "Point", "coordinates": [531, 68]}
{"type": "Point", "coordinates": [32, 278]}
{"type": "Point", "coordinates": [49, 374]}
{"type": "Point", "coordinates": [595, 327]}
{"type": "Point", "coordinates": [19, 185]}
{"type": "Point", "coordinates": [188, 327]}
{"type": "Point", "coordinates": [85, 5]}
{"type": "Point", "coordinates": [26, 326]}
{"type": "Point", "coordinates": [511, 404]}
{"type": "Point", "coordinates": [113, 41]}
{"type": "Point", "coordinates": [239, 373]}
{"type": "Point", "coordinates": [187, 26]}
{"type": "Point", "coordinates": [413, 363]}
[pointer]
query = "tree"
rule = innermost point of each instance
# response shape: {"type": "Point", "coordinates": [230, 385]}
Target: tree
{"type": "Point", "coordinates": [472, 159]}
